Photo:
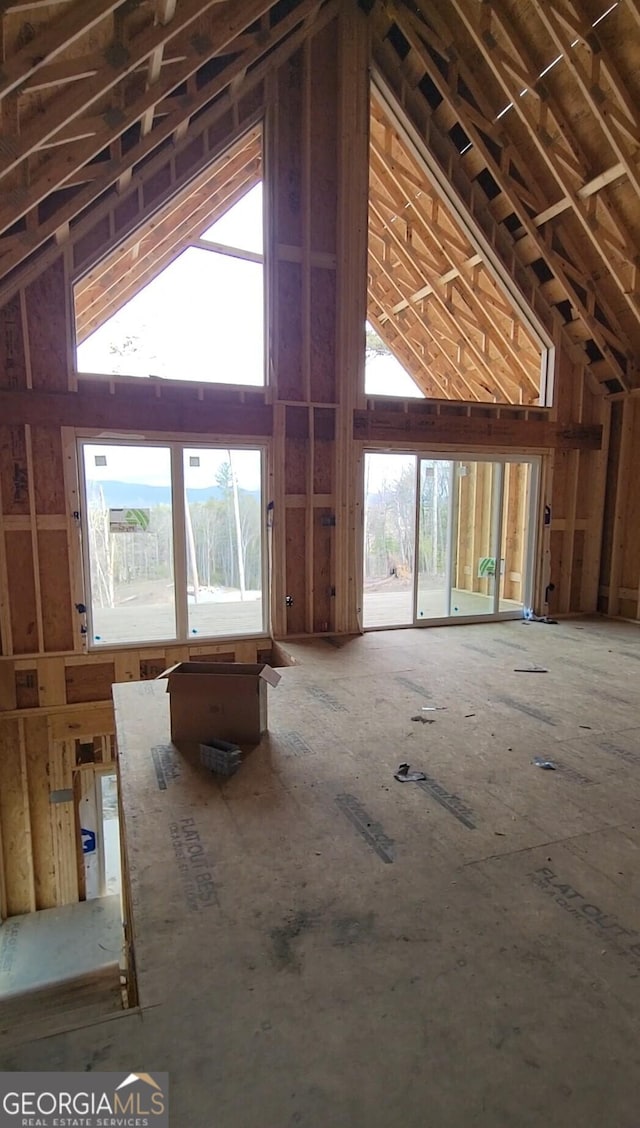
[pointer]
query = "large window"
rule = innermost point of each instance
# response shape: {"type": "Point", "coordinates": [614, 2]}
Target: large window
{"type": "Point", "coordinates": [172, 541]}
{"type": "Point", "coordinates": [195, 312]}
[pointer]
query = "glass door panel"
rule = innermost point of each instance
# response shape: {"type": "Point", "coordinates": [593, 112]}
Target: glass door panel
{"type": "Point", "coordinates": [461, 547]}
{"type": "Point", "coordinates": [434, 549]}
{"type": "Point", "coordinates": [515, 535]}
{"type": "Point", "coordinates": [129, 543]}
{"type": "Point", "coordinates": [477, 520]}
{"type": "Point", "coordinates": [223, 524]}
{"type": "Point", "coordinates": [389, 539]}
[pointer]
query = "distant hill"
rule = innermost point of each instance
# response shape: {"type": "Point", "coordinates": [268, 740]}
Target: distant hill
{"type": "Point", "coordinates": [127, 495]}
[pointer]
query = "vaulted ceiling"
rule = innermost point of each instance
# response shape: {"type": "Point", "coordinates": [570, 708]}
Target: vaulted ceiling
{"type": "Point", "coordinates": [528, 110]}
{"type": "Point", "coordinates": [531, 109]}
{"type": "Point", "coordinates": [432, 297]}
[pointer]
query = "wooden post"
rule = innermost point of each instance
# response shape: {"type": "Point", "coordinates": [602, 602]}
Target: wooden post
{"type": "Point", "coordinates": [353, 91]}
{"type": "Point", "coordinates": [621, 500]}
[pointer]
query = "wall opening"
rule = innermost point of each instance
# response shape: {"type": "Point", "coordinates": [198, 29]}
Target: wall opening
{"type": "Point", "coordinates": [447, 538]}
{"type": "Point", "coordinates": [384, 375]}
{"type": "Point", "coordinates": [182, 298]}
{"type": "Point", "coordinates": [173, 541]}
{"type": "Point", "coordinates": [433, 299]}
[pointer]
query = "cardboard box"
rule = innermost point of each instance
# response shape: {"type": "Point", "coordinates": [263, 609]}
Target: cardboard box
{"type": "Point", "coordinates": [218, 700]}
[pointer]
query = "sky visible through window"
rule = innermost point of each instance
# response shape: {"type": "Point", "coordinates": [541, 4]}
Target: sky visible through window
{"type": "Point", "coordinates": [202, 318]}
{"type": "Point", "coordinates": [122, 464]}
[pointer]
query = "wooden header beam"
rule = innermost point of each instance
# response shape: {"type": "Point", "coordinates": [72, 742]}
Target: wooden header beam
{"type": "Point", "coordinates": [243, 412]}
{"type": "Point", "coordinates": [417, 426]}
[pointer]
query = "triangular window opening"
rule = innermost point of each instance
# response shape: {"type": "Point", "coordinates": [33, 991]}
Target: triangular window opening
{"type": "Point", "coordinates": [201, 317]}
{"type": "Point", "coordinates": [384, 375]}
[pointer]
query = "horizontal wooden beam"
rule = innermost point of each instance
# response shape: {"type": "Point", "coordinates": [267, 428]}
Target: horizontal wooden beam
{"type": "Point", "coordinates": [143, 406]}
{"type": "Point", "coordinates": [417, 425]}
{"type": "Point", "coordinates": [140, 407]}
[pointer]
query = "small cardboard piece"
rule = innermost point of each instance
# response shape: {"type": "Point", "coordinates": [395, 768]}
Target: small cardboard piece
{"type": "Point", "coordinates": [218, 700]}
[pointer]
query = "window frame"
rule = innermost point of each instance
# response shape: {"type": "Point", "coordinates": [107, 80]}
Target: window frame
{"type": "Point", "coordinates": [177, 448]}
{"type": "Point", "coordinates": [196, 243]}
{"type": "Point", "coordinates": [419, 451]}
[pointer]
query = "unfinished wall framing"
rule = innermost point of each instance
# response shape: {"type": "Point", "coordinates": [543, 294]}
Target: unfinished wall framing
{"type": "Point", "coordinates": [312, 92]}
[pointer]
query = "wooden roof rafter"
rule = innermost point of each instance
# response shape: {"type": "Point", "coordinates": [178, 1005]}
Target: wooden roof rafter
{"type": "Point", "coordinates": [421, 254]}
{"type": "Point", "coordinates": [165, 12]}
{"type": "Point", "coordinates": [429, 366]}
{"type": "Point", "coordinates": [122, 56]}
{"type": "Point", "coordinates": [563, 156]}
{"type": "Point", "coordinates": [615, 108]}
{"type": "Point", "coordinates": [417, 325]}
{"type": "Point", "coordinates": [437, 319]}
{"type": "Point", "coordinates": [58, 36]}
{"type": "Point", "coordinates": [452, 250]}
{"type": "Point", "coordinates": [449, 103]}
{"type": "Point", "coordinates": [224, 23]}
{"type": "Point", "coordinates": [425, 369]}
{"type": "Point", "coordinates": [220, 90]}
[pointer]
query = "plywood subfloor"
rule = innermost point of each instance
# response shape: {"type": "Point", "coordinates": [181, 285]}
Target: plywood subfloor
{"type": "Point", "coordinates": [368, 953]}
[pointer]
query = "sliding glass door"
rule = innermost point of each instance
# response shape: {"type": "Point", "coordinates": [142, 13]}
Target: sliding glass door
{"type": "Point", "coordinates": [476, 523]}
{"type": "Point", "coordinates": [447, 539]}
{"type": "Point", "coordinates": [389, 539]}
{"type": "Point", "coordinates": [434, 539]}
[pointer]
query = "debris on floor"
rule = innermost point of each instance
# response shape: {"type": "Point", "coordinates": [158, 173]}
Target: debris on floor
{"type": "Point", "coordinates": [467, 715]}
{"type": "Point", "coordinates": [424, 720]}
{"type": "Point", "coordinates": [529, 616]}
{"type": "Point", "coordinates": [220, 757]}
{"type": "Point", "coordinates": [546, 765]}
{"type": "Point", "coordinates": [405, 775]}
{"type": "Point", "coordinates": [433, 708]}
{"type": "Point", "coordinates": [530, 670]}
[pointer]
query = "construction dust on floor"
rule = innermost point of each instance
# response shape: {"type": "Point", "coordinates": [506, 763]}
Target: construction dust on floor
{"type": "Point", "coordinates": [318, 943]}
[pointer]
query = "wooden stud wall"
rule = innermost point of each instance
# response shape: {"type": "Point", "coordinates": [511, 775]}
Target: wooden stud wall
{"type": "Point", "coordinates": [314, 416]}
{"type": "Point", "coordinates": [573, 494]}
{"type": "Point", "coordinates": [317, 134]}
{"type": "Point", "coordinates": [619, 590]}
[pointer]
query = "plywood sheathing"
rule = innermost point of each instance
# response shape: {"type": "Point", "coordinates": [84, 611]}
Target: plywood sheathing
{"type": "Point", "coordinates": [318, 132]}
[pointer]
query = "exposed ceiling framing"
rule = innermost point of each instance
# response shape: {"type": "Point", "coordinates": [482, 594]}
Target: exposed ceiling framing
{"type": "Point", "coordinates": [96, 118]}
{"type": "Point", "coordinates": [533, 107]}
{"type": "Point", "coordinates": [529, 109]}
{"type": "Point", "coordinates": [456, 334]}
{"type": "Point", "coordinates": [431, 296]}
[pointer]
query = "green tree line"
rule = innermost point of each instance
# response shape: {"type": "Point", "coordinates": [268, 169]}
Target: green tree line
{"type": "Point", "coordinates": [122, 558]}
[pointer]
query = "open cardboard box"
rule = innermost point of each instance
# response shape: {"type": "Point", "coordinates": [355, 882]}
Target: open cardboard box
{"type": "Point", "coordinates": [218, 700]}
